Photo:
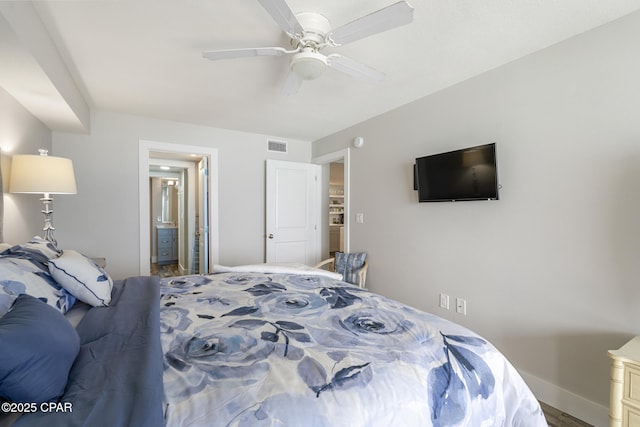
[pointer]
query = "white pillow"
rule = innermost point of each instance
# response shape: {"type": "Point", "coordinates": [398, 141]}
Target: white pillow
{"type": "Point", "coordinates": [81, 277]}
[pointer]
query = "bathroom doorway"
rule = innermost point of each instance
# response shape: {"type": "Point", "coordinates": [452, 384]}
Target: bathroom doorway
{"type": "Point", "coordinates": [174, 195]}
{"type": "Point", "coordinates": [186, 218]}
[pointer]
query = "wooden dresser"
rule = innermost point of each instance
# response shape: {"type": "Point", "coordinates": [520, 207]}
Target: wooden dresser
{"type": "Point", "coordinates": [624, 400]}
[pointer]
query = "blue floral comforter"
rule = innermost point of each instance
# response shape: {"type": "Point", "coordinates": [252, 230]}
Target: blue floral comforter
{"type": "Point", "coordinates": [259, 349]}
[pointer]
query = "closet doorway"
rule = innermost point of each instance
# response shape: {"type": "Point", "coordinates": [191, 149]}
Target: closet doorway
{"type": "Point", "coordinates": [178, 208]}
{"type": "Point", "coordinates": [335, 196]}
{"type": "Point", "coordinates": [336, 208]}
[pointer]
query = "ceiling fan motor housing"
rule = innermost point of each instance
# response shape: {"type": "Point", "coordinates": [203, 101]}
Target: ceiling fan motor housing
{"type": "Point", "coordinates": [316, 27]}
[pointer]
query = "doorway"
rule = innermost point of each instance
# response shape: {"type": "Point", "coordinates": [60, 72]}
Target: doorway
{"type": "Point", "coordinates": [174, 194]}
{"type": "Point", "coordinates": [336, 208]}
{"type": "Point", "coordinates": [195, 164]}
{"type": "Point", "coordinates": [335, 199]}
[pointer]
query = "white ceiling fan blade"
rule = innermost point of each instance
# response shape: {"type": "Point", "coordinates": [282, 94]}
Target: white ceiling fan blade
{"type": "Point", "coordinates": [354, 68]}
{"type": "Point", "coordinates": [292, 84]}
{"type": "Point", "coordinates": [248, 52]}
{"type": "Point", "coordinates": [284, 17]}
{"type": "Point", "coordinates": [396, 15]}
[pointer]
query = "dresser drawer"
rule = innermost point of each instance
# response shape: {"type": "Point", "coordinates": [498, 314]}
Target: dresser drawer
{"type": "Point", "coordinates": [165, 254]}
{"type": "Point", "coordinates": [631, 417]}
{"type": "Point", "coordinates": [165, 243]}
{"type": "Point", "coordinates": [632, 383]}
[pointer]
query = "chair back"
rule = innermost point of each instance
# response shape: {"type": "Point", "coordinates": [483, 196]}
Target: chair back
{"type": "Point", "coordinates": [352, 266]}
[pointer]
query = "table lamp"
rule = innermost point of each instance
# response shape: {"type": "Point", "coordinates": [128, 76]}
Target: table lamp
{"type": "Point", "coordinates": [46, 175]}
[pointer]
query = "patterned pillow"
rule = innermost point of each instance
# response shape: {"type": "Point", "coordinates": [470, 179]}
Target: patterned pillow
{"type": "Point", "coordinates": [24, 270]}
{"type": "Point", "coordinates": [6, 300]}
{"type": "Point", "coordinates": [37, 248]}
{"type": "Point", "coordinates": [349, 264]}
{"type": "Point", "coordinates": [82, 278]}
{"type": "Point", "coordinates": [38, 348]}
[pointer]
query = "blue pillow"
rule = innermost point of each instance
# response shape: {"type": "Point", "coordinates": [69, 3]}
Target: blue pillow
{"type": "Point", "coordinates": [38, 348]}
{"type": "Point", "coordinates": [349, 264]}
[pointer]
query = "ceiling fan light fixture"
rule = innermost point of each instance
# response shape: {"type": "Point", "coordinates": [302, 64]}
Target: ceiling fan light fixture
{"type": "Point", "coordinates": [309, 33]}
{"type": "Point", "coordinates": [308, 64]}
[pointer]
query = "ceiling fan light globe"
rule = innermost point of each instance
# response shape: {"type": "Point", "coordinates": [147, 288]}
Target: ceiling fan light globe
{"type": "Point", "coordinates": [308, 65]}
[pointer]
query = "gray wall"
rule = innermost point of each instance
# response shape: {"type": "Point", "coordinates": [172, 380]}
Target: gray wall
{"type": "Point", "coordinates": [550, 272]}
{"type": "Point", "coordinates": [20, 133]}
{"type": "Point", "coordinates": [103, 220]}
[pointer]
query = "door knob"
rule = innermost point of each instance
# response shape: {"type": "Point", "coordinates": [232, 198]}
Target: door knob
{"type": "Point", "coordinates": [270, 236]}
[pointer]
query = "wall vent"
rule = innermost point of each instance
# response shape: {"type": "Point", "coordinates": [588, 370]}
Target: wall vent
{"type": "Point", "coordinates": [277, 146]}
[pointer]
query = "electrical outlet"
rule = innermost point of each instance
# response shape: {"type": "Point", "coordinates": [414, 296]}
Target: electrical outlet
{"type": "Point", "coordinates": [461, 306]}
{"type": "Point", "coordinates": [444, 301]}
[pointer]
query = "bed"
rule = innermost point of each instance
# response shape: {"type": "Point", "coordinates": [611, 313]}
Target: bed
{"type": "Point", "coordinates": [251, 346]}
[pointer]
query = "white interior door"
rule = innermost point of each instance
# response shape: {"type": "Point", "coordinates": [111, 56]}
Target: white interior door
{"type": "Point", "coordinates": [293, 212]}
{"type": "Point", "coordinates": [188, 231]}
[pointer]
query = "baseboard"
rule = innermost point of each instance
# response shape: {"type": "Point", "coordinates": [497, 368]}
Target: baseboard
{"type": "Point", "coordinates": [566, 401]}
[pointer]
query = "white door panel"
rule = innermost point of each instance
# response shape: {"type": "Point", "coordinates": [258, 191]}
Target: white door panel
{"type": "Point", "coordinates": [292, 212]}
{"type": "Point", "coordinates": [291, 188]}
{"type": "Point", "coordinates": [292, 252]}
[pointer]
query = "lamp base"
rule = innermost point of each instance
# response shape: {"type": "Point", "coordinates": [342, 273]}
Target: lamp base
{"type": "Point", "coordinates": [48, 228]}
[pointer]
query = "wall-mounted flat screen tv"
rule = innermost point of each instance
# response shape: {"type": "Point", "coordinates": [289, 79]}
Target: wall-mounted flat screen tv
{"type": "Point", "coordinates": [467, 174]}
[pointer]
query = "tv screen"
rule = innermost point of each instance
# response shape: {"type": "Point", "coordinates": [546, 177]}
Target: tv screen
{"type": "Point", "coordinates": [467, 174]}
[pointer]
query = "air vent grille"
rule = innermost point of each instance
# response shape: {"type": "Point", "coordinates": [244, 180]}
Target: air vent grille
{"type": "Point", "coordinates": [277, 146]}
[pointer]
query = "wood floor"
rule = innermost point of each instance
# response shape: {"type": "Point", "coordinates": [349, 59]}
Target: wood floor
{"type": "Point", "coordinates": [167, 270]}
{"type": "Point", "coordinates": [557, 418]}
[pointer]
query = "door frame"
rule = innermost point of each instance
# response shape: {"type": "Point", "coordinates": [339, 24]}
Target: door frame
{"type": "Point", "coordinates": [144, 148]}
{"type": "Point", "coordinates": [188, 171]}
{"type": "Point", "coordinates": [345, 156]}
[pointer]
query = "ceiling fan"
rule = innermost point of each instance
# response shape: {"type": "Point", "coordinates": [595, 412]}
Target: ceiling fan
{"type": "Point", "coordinates": [310, 32]}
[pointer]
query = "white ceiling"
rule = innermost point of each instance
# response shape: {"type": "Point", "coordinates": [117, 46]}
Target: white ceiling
{"type": "Point", "coordinates": [143, 57]}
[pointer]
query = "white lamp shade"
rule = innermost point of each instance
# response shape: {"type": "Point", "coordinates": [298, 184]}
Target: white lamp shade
{"type": "Point", "coordinates": [41, 174]}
